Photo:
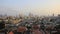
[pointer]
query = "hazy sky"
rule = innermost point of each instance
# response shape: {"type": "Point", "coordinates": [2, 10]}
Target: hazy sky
{"type": "Point", "coordinates": [38, 7]}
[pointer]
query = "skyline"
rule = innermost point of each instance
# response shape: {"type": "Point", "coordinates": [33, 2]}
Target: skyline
{"type": "Point", "coordinates": [38, 7]}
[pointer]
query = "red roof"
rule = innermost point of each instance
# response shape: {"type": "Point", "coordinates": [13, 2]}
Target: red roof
{"type": "Point", "coordinates": [21, 29]}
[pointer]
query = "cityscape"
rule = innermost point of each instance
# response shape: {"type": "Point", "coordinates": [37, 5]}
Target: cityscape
{"type": "Point", "coordinates": [29, 16]}
{"type": "Point", "coordinates": [12, 23]}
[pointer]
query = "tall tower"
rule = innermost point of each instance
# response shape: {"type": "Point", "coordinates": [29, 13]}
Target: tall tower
{"type": "Point", "coordinates": [53, 14]}
{"type": "Point", "coordinates": [30, 15]}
